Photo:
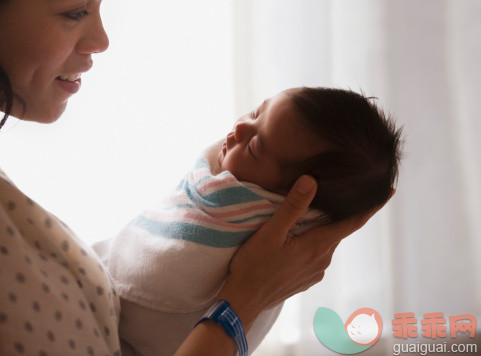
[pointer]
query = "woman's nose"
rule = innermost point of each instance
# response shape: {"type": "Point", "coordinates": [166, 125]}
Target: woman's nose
{"type": "Point", "coordinates": [244, 130]}
{"type": "Point", "coordinates": [95, 40]}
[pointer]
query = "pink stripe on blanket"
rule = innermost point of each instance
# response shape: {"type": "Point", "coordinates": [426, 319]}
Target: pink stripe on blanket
{"type": "Point", "coordinates": [216, 183]}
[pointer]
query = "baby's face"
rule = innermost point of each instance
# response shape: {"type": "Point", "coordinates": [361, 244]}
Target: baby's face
{"type": "Point", "coordinates": [264, 140]}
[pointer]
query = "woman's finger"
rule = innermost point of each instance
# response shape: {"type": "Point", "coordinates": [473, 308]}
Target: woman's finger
{"type": "Point", "coordinates": [321, 237]}
{"type": "Point", "coordinates": [291, 209]}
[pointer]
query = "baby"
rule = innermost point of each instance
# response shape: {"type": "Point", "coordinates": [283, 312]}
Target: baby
{"type": "Point", "coordinates": [170, 262]}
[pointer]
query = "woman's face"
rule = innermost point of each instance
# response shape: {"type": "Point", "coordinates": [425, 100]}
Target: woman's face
{"type": "Point", "coordinates": [43, 42]}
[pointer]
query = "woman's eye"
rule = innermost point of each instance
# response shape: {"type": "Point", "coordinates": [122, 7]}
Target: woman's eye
{"type": "Point", "coordinates": [253, 114]}
{"type": "Point", "coordinates": [77, 15]}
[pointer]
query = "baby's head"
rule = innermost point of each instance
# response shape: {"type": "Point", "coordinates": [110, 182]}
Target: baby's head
{"type": "Point", "coordinates": [337, 136]}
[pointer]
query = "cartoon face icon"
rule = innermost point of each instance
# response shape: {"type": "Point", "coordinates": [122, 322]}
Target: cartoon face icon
{"type": "Point", "coordinates": [360, 331]}
{"type": "Point", "coordinates": [363, 329]}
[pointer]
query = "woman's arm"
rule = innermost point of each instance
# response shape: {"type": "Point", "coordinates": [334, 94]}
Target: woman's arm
{"type": "Point", "coordinates": [270, 267]}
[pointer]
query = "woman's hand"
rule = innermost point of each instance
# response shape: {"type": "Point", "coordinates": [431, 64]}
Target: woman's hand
{"type": "Point", "coordinates": [270, 266]}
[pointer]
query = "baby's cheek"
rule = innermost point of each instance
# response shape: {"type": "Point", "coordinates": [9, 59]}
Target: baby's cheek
{"type": "Point", "coordinates": [230, 164]}
{"type": "Point", "coordinates": [242, 171]}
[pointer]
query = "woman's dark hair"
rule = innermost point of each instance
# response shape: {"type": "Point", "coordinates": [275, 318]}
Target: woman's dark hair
{"type": "Point", "coordinates": [6, 92]}
{"type": "Point", "coordinates": [359, 170]}
{"type": "Point", "coordinates": [6, 95]}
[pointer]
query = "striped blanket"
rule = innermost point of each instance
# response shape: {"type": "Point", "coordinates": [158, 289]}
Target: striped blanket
{"type": "Point", "coordinates": [215, 211]}
{"type": "Point", "coordinates": [174, 257]}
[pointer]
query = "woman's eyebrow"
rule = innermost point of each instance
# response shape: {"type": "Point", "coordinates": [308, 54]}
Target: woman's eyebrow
{"type": "Point", "coordinates": [69, 4]}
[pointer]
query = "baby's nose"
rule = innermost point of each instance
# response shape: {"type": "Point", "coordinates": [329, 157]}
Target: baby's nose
{"type": "Point", "coordinates": [242, 131]}
{"type": "Point", "coordinates": [238, 133]}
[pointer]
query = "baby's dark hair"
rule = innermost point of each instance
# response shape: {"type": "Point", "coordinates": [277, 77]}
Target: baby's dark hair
{"type": "Point", "coordinates": [359, 169]}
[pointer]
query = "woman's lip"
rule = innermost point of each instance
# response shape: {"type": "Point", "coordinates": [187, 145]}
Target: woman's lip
{"type": "Point", "coordinates": [224, 148]}
{"type": "Point", "coordinates": [69, 87]}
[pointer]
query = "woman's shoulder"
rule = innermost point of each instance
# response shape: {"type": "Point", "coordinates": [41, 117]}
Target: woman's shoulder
{"type": "Point", "coordinates": [3, 176]}
{"type": "Point", "coordinates": [36, 224]}
{"type": "Point", "coordinates": [55, 282]}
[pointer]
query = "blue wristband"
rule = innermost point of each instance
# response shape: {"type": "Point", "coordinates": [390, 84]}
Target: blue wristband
{"type": "Point", "coordinates": [222, 313]}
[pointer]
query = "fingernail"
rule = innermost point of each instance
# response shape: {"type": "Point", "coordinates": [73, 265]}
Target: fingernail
{"type": "Point", "coordinates": [305, 184]}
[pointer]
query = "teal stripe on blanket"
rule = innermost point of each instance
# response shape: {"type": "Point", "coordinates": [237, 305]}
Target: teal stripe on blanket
{"type": "Point", "coordinates": [193, 233]}
{"type": "Point", "coordinates": [201, 163]}
{"type": "Point", "coordinates": [180, 206]}
{"type": "Point", "coordinates": [233, 196]}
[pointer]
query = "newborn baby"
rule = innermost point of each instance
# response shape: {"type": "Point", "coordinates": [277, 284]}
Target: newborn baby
{"type": "Point", "coordinates": [170, 262]}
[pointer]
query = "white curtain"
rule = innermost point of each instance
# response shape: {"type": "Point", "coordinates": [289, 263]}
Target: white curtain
{"type": "Point", "coordinates": [422, 59]}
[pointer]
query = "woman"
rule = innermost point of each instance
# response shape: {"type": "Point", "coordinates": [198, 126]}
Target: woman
{"type": "Point", "coordinates": [55, 297]}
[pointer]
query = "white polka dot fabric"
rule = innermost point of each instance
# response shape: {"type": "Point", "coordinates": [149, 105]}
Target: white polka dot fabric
{"type": "Point", "coordinates": [55, 296]}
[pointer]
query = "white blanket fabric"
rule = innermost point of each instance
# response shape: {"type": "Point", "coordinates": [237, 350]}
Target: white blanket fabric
{"type": "Point", "coordinates": [170, 262]}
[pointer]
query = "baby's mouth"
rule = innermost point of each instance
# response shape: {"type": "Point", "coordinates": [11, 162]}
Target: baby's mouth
{"type": "Point", "coordinates": [229, 141]}
{"type": "Point", "coordinates": [224, 148]}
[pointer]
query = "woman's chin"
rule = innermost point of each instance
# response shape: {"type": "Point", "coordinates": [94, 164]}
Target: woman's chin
{"type": "Point", "coordinates": [41, 116]}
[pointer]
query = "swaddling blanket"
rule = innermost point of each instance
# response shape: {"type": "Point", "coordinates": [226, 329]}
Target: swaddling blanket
{"type": "Point", "coordinates": [170, 262]}
{"type": "Point", "coordinates": [174, 257]}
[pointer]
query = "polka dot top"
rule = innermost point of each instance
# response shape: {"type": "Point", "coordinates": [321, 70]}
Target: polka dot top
{"type": "Point", "coordinates": [55, 296]}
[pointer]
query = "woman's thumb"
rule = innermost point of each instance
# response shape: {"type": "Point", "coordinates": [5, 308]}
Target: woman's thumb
{"type": "Point", "coordinates": [292, 208]}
